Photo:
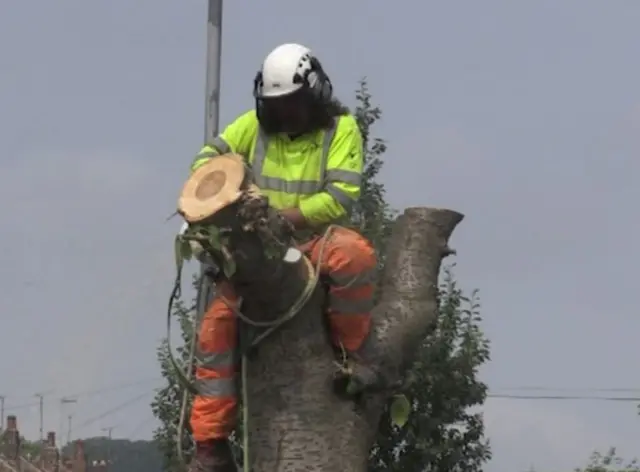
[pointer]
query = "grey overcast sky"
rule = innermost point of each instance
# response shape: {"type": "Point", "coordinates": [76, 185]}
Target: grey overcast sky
{"type": "Point", "coordinates": [523, 115]}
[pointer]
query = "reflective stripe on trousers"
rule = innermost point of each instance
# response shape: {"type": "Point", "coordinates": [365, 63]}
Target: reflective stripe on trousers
{"type": "Point", "coordinates": [213, 413]}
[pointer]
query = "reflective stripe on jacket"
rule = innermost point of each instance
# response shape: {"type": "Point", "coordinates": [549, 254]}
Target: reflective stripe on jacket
{"type": "Point", "coordinates": [320, 173]}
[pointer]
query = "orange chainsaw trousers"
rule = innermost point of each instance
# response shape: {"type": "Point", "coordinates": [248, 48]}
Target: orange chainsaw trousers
{"type": "Point", "coordinates": [348, 262]}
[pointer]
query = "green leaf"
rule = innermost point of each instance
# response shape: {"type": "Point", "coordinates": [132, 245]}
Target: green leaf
{"type": "Point", "coordinates": [272, 252]}
{"type": "Point", "coordinates": [212, 237]}
{"type": "Point", "coordinates": [229, 267]}
{"type": "Point", "coordinates": [186, 250]}
{"type": "Point", "coordinates": [215, 243]}
{"type": "Point", "coordinates": [400, 410]}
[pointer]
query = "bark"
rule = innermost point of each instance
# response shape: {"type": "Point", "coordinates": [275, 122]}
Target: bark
{"type": "Point", "coordinates": [296, 423]}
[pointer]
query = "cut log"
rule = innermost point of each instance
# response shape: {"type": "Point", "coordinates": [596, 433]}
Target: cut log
{"type": "Point", "coordinates": [212, 187]}
{"type": "Point", "coordinates": [221, 198]}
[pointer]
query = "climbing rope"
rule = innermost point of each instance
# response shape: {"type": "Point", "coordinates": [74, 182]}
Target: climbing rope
{"type": "Point", "coordinates": [185, 379]}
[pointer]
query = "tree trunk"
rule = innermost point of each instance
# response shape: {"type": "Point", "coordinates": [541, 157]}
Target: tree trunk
{"type": "Point", "coordinates": [296, 423]}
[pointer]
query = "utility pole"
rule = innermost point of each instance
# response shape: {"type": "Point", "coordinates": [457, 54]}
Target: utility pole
{"type": "Point", "coordinates": [109, 430]}
{"type": "Point", "coordinates": [214, 56]}
{"type": "Point", "coordinates": [212, 121]}
{"type": "Point", "coordinates": [63, 402]}
{"type": "Point", "coordinates": [211, 125]}
{"type": "Point", "coordinates": [2, 399]}
{"type": "Point", "coordinates": [41, 397]}
{"type": "Point", "coordinates": [69, 420]}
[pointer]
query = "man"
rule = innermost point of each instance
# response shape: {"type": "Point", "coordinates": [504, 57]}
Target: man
{"type": "Point", "coordinates": [306, 154]}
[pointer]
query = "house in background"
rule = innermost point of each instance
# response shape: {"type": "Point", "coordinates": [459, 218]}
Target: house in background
{"type": "Point", "coordinates": [13, 457]}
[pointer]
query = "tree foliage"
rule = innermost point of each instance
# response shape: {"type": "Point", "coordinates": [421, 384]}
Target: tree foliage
{"type": "Point", "coordinates": [30, 449]}
{"type": "Point", "coordinates": [167, 402]}
{"type": "Point", "coordinates": [442, 434]}
{"type": "Point", "coordinates": [609, 462]}
{"type": "Point", "coordinates": [442, 385]}
{"type": "Point", "coordinates": [372, 215]}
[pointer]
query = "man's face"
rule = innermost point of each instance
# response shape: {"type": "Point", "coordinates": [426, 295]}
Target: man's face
{"type": "Point", "coordinates": [291, 111]}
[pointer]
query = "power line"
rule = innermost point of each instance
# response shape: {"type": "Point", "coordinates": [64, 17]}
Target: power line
{"type": "Point", "coordinates": [563, 397]}
{"type": "Point", "coordinates": [108, 388]}
{"type": "Point", "coordinates": [88, 393]}
{"type": "Point", "coordinates": [113, 410]}
{"type": "Point", "coordinates": [498, 396]}
{"type": "Point", "coordinates": [137, 428]}
{"type": "Point", "coordinates": [571, 389]}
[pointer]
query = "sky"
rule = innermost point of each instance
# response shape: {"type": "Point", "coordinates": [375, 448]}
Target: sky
{"type": "Point", "coordinates": [525, 116]}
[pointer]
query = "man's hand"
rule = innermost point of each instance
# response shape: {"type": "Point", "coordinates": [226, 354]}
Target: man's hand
{"type": "Point", "coordinates": [294, 216]}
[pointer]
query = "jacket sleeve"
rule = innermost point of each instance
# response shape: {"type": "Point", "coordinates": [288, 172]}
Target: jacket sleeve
{"type": "Point", "coordinates": [236, 138]}
{"type": "Point", "coordinates": [343, 179]}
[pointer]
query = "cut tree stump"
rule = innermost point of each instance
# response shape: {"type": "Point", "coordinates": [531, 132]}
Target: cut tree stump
{"type": "Point", "coordinates": [296, 423]}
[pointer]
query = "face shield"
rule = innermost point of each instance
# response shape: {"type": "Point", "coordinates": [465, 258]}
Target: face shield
{"type": "Point", "coordinates": [286, 114]}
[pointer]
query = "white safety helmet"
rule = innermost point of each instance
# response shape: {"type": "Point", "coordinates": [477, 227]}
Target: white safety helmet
{"type": "Point", "coordinates": [289, 68]}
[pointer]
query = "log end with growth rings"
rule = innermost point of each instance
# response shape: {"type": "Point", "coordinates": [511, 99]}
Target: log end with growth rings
{"type": "Point", "coordinates": [212, 187]}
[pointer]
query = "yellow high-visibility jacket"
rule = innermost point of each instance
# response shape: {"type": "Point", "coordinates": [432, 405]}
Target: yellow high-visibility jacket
{"type": "Point", "coordinates": [321, 173]}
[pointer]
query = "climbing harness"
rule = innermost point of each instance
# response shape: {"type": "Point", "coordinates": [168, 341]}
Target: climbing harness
{"type": "Point", "coordinates": [185, 378]}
